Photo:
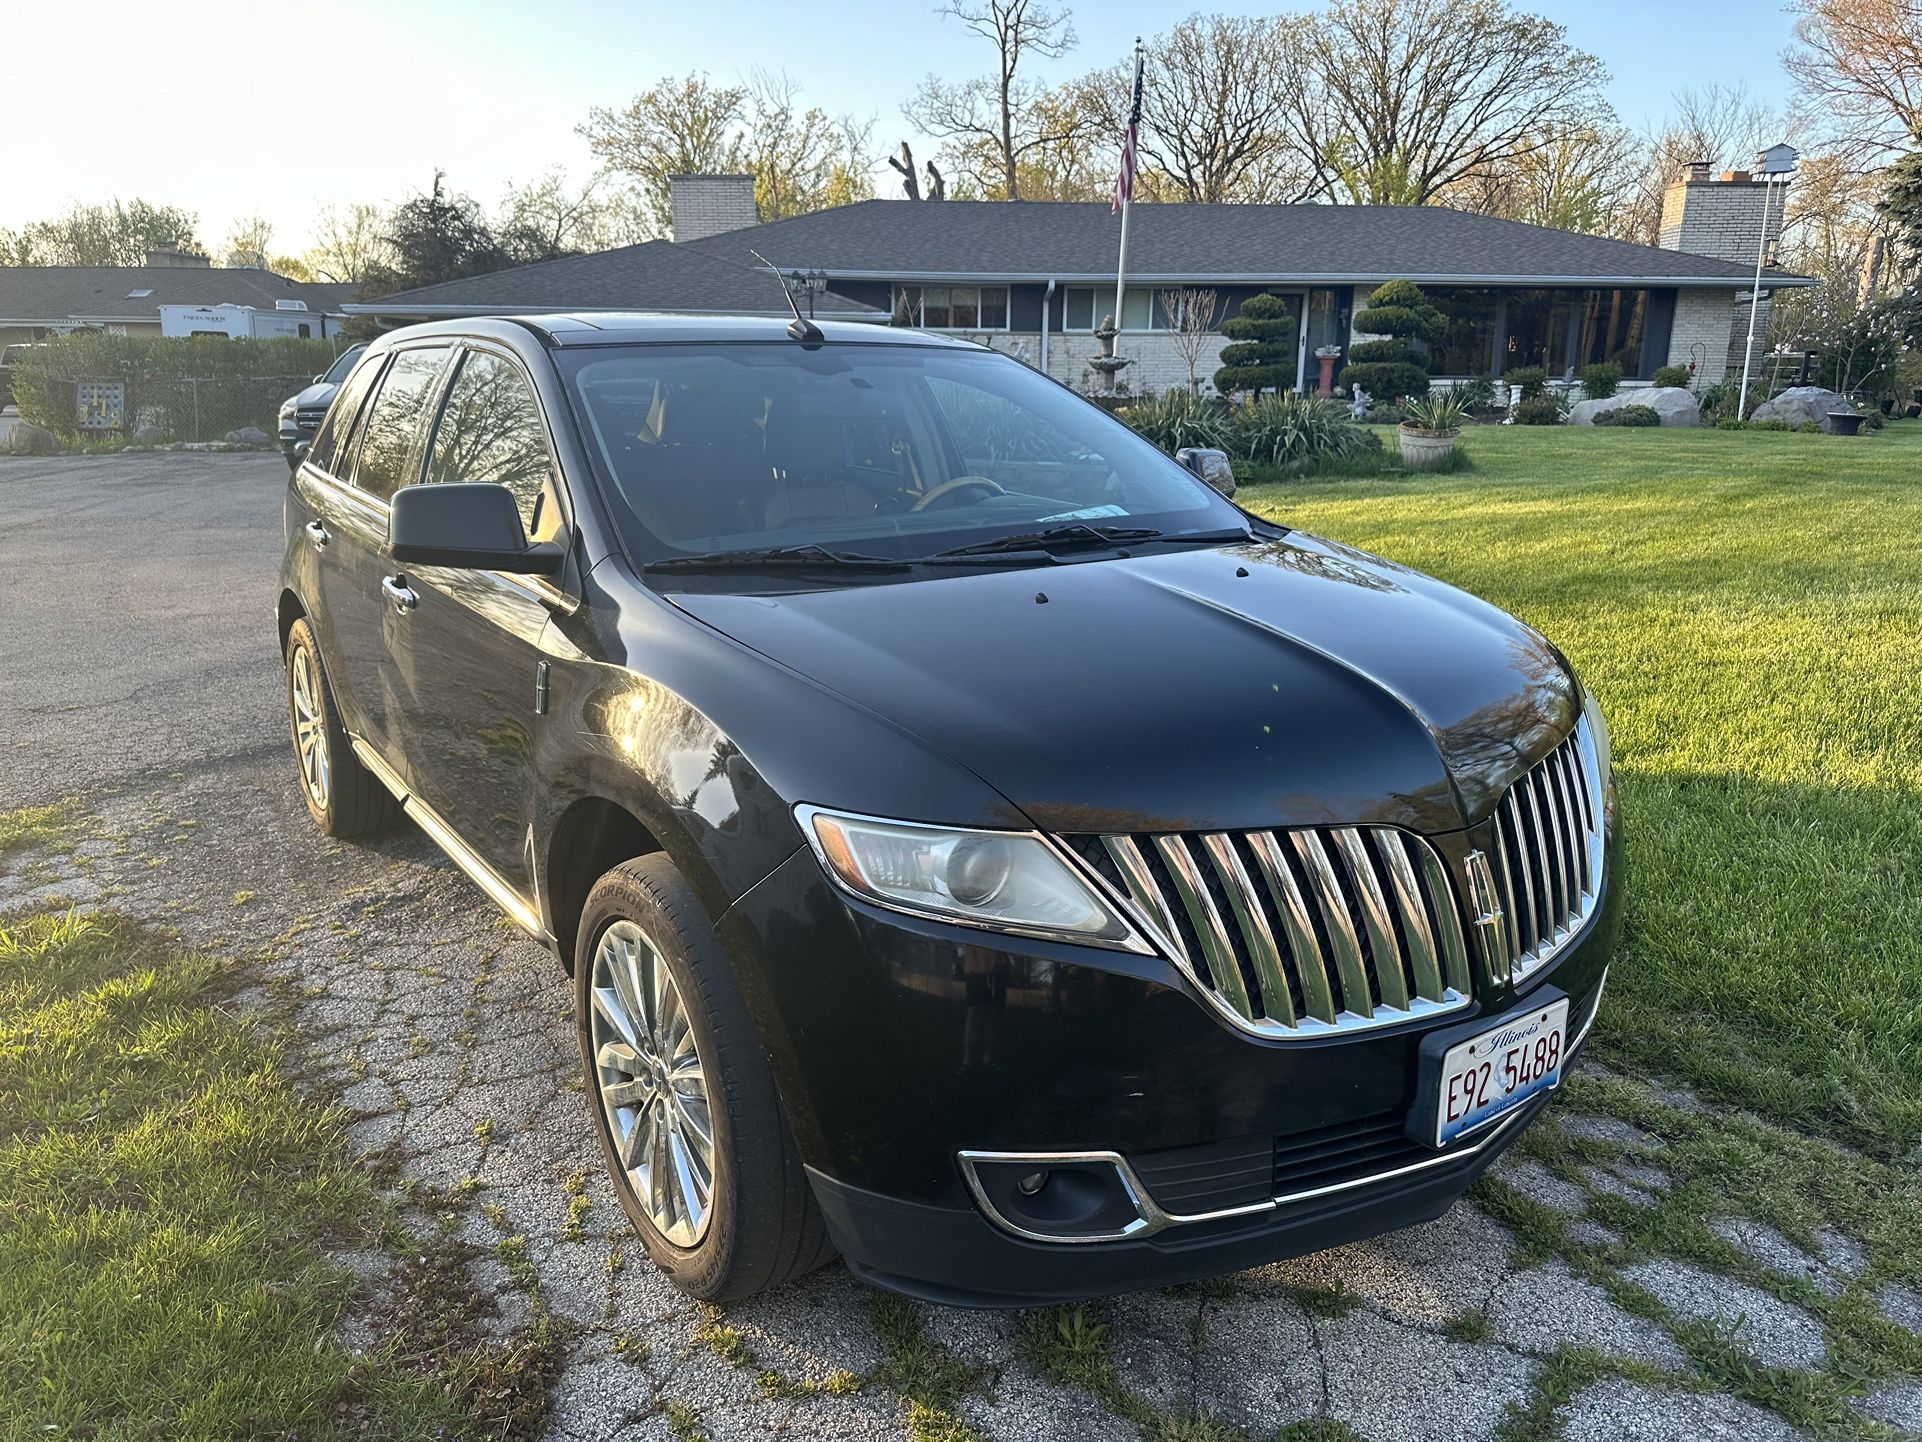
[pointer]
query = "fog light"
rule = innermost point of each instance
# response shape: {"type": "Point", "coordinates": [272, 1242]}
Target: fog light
{"type": "Point", "coordinates": [1031, 1183]}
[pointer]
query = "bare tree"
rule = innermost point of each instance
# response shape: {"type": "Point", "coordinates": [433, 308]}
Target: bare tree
{"type": "Point", "coordinates": [1191, 320]}
{"type": "Point", "coordinates": [350, 245]}
{"type": "Point", "coordinates": [247, 242]}
{"type": "Point", "coordinates": [1723, 125]}
{"type": "Point", "coordinates": [549, 217]}
{"type": "Point", "coordinates": [1405, 98]}
{"type": "Point", "coordinates": [803, 159]}
{"type": "Point", "coordinates": [904, 165]}
{"type": "Point", "coordinates": [993, 121]}
{"type": "Point", "coordinates": [1858, 70]}
{"type": "Point", "coordinates": [1581, 178]}
{"type": "Point", "coordinates": [116, 233]}
{"type": "Point", "coordinates": [1213, 101]}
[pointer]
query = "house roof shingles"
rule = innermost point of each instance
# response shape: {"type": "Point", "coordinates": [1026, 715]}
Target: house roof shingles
{"type": "Point", "coordinates": [59, 294]}
{"type": "Point", "coordinates": [1041, 240]}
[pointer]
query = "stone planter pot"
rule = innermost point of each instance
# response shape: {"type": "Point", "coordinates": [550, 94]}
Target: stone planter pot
{"type": "Point", "coordinates": [1424, 448]}
{"type": "Point", "coordinates": [1844, 423]}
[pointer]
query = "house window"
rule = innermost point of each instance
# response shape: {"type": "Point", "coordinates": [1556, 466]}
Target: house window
{"type": "Point", "coordinates": [1142, 308]}
{"type": "Point", "coordinates": [952, 307]}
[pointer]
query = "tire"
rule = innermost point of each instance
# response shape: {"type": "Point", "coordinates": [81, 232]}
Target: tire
{"type": "Point", "coordinates": [762, 1228]}
{"type": "Point", "coordinates": [344, 798]}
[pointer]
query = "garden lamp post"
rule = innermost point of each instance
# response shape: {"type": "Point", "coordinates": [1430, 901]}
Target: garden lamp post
{"type": "Point", "coordinates": [1776, 160]}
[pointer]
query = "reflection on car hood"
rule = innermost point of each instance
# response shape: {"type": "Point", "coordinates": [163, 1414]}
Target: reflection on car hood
{"type": "Point", "coordinates": [1291, 682]}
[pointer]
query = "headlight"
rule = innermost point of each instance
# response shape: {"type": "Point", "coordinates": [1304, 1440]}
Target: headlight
{"type": "Point", "coordinates": [286, 410]}
{"type": "Point", "coordinates": [1598, 731]}
{"type": "Point", "coordinates": [1014, 881]}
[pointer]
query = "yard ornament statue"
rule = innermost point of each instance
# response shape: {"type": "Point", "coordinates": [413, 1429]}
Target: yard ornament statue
{"type": "Point", "coordinates": [1108, 363]}
{"type": "Point", "coordinates": [1359, 401]}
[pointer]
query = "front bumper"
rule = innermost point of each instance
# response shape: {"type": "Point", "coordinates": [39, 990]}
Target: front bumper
{"type": "Point", "coordinates": [899, 1044]}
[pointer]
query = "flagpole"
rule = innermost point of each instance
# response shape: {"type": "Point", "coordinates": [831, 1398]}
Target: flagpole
{"type": "Point", "coordinates": [1127, 203]}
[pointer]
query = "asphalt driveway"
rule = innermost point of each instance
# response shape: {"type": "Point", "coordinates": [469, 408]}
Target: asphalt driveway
{"type": "Point", "coordinates": [140, 676]}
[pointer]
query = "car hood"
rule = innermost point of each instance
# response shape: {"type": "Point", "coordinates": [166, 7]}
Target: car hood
{"type": "Point", "coordinates": [1279, 683]}
{"type": "Point", "coordinates": [320, 393]}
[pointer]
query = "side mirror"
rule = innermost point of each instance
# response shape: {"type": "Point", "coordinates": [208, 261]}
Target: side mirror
{"type": "Point", "coordinates": [1211, 466]}
{"type": "Point", "coordinates": [473, 526]}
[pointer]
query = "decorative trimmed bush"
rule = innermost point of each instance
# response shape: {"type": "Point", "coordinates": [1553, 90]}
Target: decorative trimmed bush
{"type": "Point", "coordinates": [1601, 380]}
{"type": "Point", "coordinates": [1538, 410]}
{"type": "Point", "coordinates": [1676, 376]}
{"type": "Point", "coordinates": [1263, 354]}
{"type": "Point", "coordinates": [1393, 367]}
{"type": "Point", "coordinates": [1527, 381]}
{"type": "Point", "coordinates": [1630, 416]}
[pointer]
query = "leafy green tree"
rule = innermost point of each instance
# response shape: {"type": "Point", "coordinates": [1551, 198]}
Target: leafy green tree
{"type": "Point", "coordinates": [116, 233]}
{"type": "Point", "coordinates": [1393, 367]}
{"type": "Point", "coordinates": [1262, 356]}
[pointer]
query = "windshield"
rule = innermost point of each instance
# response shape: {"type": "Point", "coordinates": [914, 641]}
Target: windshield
{"type": "Point", "coordinates": [898, 451]}
{"type": "Point", "coordinates": [337, 372]}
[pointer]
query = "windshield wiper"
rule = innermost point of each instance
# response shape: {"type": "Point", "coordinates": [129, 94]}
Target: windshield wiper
{"type": "Point", "coordinates": [1078, 533]}
{"type": "Point", "coordinates": [807, 554]}
{"type": "Point", "coordinates": [1042, 544]}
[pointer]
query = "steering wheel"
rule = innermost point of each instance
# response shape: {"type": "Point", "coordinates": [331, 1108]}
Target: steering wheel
{"type": "Point", "coordinates": [958, 483]}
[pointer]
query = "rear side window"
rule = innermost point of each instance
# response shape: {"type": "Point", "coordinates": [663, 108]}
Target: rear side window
{"type": "Point", "coordinates": [492, 431]}
{"type": "Point", "coordinates": [388, 459]}
{"type": "Point", "coordinates": [340, 417]}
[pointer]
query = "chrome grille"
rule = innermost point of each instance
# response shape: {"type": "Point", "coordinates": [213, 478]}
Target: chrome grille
{"type": "Point", "coordinates": [1294, 933]}
{"type": "Point", "coordinates": [1547, 864]}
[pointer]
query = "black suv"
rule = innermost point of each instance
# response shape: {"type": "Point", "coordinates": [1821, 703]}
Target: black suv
{"type": "Point", "coordinates": [978, 846]}
{"type": "Point", "coordinates": [301, 413]}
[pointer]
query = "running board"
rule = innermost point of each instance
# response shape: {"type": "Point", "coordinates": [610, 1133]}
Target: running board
{"type": "Point", "coordinates": [459, 852]}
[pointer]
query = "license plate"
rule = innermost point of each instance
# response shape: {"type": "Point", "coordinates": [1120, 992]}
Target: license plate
{"type": "Point", "coordinates": [1492, 1074]}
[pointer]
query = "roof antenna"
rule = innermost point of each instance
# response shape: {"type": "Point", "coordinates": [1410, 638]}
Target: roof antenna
{"type": "Point", "coordinates": [801, 328]}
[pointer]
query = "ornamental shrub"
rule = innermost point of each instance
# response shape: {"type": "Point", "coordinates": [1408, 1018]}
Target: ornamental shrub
{"type": "Point", "coordinates": [1527, 381]}
{"type": "Point", "coordinates": [1770, 425]}
{"type": "Point", "coordinates": [1601, 380]}
{"type": "Point", "coordinates": [1538, 410]}
{"type": "Point", "coordinates": [1630, 416]}
{"type": "Point", "coordinates": [1179, 418]}
{"type": "Point", "coordinates": [1262, 356]}
{"type": "Point", "coordinates": [1477, 394]}
{"type": "Point", "coordinates": [1730, 423]}
{"type": "Point", "coordinates": [1287, 430]}
{"type": "Point", "coordinates": [1676, 376]}
{"type": "Point", "coordinates": [1393, 367]}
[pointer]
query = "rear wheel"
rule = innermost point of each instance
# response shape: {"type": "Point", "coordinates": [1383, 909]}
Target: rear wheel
{"type": "Point", "coordinates": [684, 1103]}
{"type": "Point", "coordinates": [344, 798]}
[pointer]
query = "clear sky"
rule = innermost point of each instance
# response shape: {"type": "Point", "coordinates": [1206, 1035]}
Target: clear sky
{"type": "Point", "coordinates": [227, 107]}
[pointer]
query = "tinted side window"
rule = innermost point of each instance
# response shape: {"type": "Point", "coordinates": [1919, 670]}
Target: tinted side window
{"type": "Point", "coordinates": [340, 416]}
{"type": "Point", "coordinates": [491, 430]}
{"type": "Point", "coordinates": [387, 450]}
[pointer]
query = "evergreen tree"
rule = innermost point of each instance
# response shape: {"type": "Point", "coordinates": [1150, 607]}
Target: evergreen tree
{"type": "Point", "coordinates": [1263, 354]}
{"type": "Point", "coordinates": [1901, 206]}
{"type": "Point", "coordinates": [1393, 367]}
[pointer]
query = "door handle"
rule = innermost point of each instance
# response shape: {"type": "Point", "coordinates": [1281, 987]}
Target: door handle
{"type": "Point", "coordinates": [400, 594]}
{"type": "Point", "coordinates": [318, 534]}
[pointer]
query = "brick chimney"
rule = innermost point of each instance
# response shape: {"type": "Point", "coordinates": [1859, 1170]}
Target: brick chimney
{"type": "Point", "coordinates": [1720, 218]}
{"type": "Point", "coordinates": [172, 257]}
{"type": "Point", "coordinates": [707, 205]}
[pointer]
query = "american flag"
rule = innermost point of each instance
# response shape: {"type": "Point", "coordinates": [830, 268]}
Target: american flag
{"type": "Point", "coordinates": [1124, 183]}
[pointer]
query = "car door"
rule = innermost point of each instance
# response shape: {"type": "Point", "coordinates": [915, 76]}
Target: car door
{"type": "Point", "coordinates": [366, 607]}
{"type": "Point", "coordinates": [471, 646]}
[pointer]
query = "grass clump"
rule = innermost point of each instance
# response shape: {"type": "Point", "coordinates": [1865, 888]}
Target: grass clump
{"type": "Point", "coordinates": [165, 1195]}
{"type": "Point", "coordinates": [37, 828]}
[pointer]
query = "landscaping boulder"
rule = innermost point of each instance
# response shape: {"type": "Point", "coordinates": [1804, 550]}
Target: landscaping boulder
{"type": "Point", "coordinates": [1801, 404]}
{"type": "Point", "coordinates": [248, 436]}
{"type": "Point", "coordinates": [1676, 405]}
{"type": "Point", "coordinates": [146, 435]}
{"type": "Point", "coordinates": [29, 440]}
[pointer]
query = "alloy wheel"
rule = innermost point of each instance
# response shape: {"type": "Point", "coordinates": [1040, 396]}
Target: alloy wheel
{"type": "Point", "coordinates": [653, 1086]}
{"type": "Point", "coordinates": [310, 727]}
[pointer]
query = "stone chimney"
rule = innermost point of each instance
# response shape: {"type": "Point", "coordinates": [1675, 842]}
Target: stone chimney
{"type": "Point", "coordinates": [707, 205]}
{"type": "Point", "coordinates": [1720, 218]}
{"type": "Point", "coordinates": [172, 257]}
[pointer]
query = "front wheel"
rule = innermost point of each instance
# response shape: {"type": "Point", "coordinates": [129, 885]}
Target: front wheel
{"type": "Point", "coordinates": [344, 798]}
{"type": "Point", "coordinates": [684, 1103]}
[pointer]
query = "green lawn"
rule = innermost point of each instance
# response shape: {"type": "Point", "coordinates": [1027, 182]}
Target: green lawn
{"type": "Point", "coordinates": [1749, 609]}
{"type": "Point", "coordinates": [166, 1198]}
